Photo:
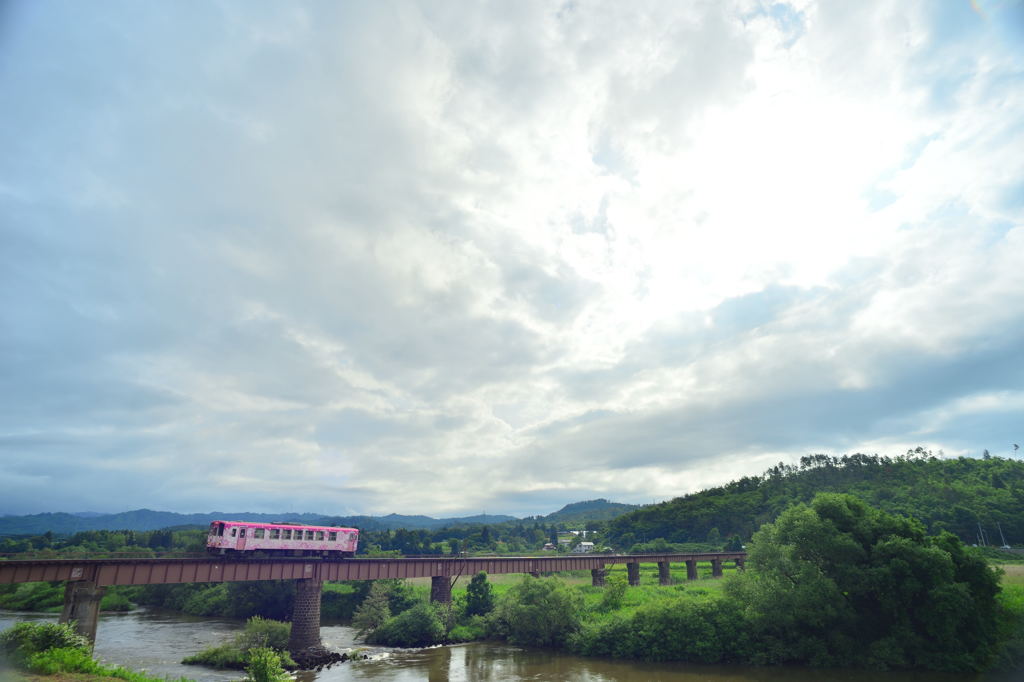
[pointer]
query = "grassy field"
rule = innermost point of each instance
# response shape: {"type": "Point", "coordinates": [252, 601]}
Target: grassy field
{"type": "Point", "coordinates": [1013, 574]}
{"type": "Point", "coordinates": [705, 587]}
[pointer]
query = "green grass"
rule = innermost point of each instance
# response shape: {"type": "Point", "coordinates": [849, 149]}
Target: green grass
{"type": "Point", "coordinates": [1013, 574]}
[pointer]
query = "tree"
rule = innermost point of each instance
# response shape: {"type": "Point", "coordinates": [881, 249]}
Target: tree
{"type": "Point", "coordinates": [614, 592]}
{"type": "Point", "coordinates": [264, 665]}
{"type": "Point", "coordinates": [714, 537]}
{"type": "Point", "coordinates": [538, 612]}
{"type": "Point", "coordinates": [374, 611]}
{"type": "Point", "coordinates": [841, 583]}
{"type": "Point", "coordinates": [479, 596]}
{"type": "Point", "coordinates": [419, 626]}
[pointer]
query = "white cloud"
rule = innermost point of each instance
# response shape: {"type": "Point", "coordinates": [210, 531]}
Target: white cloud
{"type": "Point", "coordinates": [421, 258]}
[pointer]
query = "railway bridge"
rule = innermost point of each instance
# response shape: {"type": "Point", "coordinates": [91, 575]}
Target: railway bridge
{"type": "Point", "coordinates": [87, 579]}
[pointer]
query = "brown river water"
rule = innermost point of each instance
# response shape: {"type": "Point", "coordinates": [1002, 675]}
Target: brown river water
{"type": "Point", "coordinates": [156, 642]}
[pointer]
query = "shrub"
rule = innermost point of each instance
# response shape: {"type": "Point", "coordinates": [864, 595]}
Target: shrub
{"type": "Point", "coordinates": [475, 629]}
{"type": "Point", "coordinates": [262, 633]}
{"type": "Point", "coordinates": [614, 593]}
{"type": "Point", "coordinates": [33, 597]}
{"type": "Point", "coordinates": [265, 666]}
{"type": "Point", "coordinates": [537, 612]}
{"type": "Point", "coordinates": [479, 596]}
{"type": "Point", "coordinates": [419, 626]}
{"type": "Point", "coordinates": [259, 633]}
{"type": "Point", "coordinates": [63, 660]}
{"type": "Point", "coordinates": [115, 601]}
{"type": "Point", "coordinates": [23, 640]}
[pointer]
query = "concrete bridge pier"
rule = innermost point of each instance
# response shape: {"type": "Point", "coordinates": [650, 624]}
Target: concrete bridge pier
{"type": "Point", "coordinates": [664, 573]}
{"type": "Point", "coordinates": [633, 573]}
{"type": "Point", "coordinates": [82, 607]}
{"type": "Point", "coordinates": [306, 615]}
{"type": "Point", "coordinates": [716, 568]}
{"type": "Point", "coordinates": [597, 577]}
{"type": "Point", "coordinates": [691, 569]}
{"type": "Point", "coordinates": [741, 564]}
{"type": "Point", "coordinates": [441, 589]}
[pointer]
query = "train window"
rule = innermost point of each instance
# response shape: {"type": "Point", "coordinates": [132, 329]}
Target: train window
{"type": "Point", "coordinates": [332, 536]}
{"type": "Point", "coordinates": [241, 533]}
{"type": "Point", "coordinates": [234, 532]}
{"type": "Point", "coordinates": [258, 533]}
{"type": "Point", "coordinates": [275, 533]}
{"type": "Point", "coordinates": [220, 529]}
{"type": "Point", "coordinates": [286, 534]}
{"type": "Point", "coordinates": [320, 535]}
{"type": "Point", "coordinates": [309, 535]}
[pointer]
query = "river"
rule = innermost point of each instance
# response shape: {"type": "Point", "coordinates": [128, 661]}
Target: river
{"type": "Point", "coordinates": [155, 642]}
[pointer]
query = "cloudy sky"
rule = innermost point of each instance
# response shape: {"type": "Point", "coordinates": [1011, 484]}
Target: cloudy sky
{"type": "Point", "coordinates": [453, 257]}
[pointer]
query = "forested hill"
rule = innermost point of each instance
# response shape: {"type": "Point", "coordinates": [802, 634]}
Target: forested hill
{"type": "Point", "coordinates": [944, 494]}
{"type": "Point", "coordinates": [590, 510]}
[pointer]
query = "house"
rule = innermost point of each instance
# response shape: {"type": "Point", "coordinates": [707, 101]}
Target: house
{"type": "Point", "coordinates": [583, 548]}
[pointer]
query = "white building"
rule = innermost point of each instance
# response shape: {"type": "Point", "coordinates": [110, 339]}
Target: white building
{"type": "Point", "coordinates": [583, 548]}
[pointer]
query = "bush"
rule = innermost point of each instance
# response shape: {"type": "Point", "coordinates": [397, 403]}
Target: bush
{"type": "Point", "coordinates": [474, 630]}
{"type": "Point", "coordinates": [33, 596]}
{"type": "Point", "coordinates": [479, 596]}
{"type": "Point", "coordinates": [265, 666]}
{"type": "Point", "coordinates": [259, 633]}
{"type": "Point", "coordinates": [537, 612]}
{"type": "Point", "coordinates": [115, 601]}
{"type": "Point", "coordinates": [63, 660]}
{"type": "Point", "coordinates": [417, 627]}
{"type": "Point", "coordinates": [24, 640]}
{"type": "Point", "coordinates": [614, 593]}
{"type": "Point", "coordinates": [264, 633]}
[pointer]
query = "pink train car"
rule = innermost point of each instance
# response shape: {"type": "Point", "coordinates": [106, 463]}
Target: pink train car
{"type": "Point", "coordinates": [232, 537]}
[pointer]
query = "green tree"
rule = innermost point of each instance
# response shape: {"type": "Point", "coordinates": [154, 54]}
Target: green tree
{"type": "Point", "coordinates": [537, 612]}
{"type": "Point", "coordinates": [479, 596]}
{"type": "Point", "coordinates": [841, 583]}
{"type": "Point", "coordinates": [419, 626]}
{"type": "Point", "coordinates": [265, 666]}
{"type": "Point", "coordinates": [614, 592]}
{"type": "Point", "coordinates": [374, 611]}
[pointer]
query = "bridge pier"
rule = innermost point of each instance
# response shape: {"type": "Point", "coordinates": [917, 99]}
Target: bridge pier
{"type": "Point", "coordinates": [82, 607]}
{"type": "Point", "coordinates": [716, 568]}
{"type": "Point", "coordinates": [441, 589]}
{"type": "Point", "coordinates": [597, 577]}
{"type": "Point", "coordinates": [691, 569]}
{"type": "Point", "coordinates": [633, 573]}
{"type": "Point", "coordinates": [306, 615]}
{"type": "Point", "coordinates": [664, 573]}
{"type": "Point", "coordinates": [740, 564]}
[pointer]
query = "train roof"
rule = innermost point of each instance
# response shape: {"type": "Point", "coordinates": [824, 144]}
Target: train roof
{"type": "Point", "coordinates": [282, 525]}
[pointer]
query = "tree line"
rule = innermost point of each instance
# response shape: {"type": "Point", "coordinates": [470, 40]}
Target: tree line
{"type": "Point", "coordinates": [954, 495]}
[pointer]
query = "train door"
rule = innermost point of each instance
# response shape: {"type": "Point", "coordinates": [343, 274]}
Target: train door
{"type": "Point", "coordinates": [240, 544]}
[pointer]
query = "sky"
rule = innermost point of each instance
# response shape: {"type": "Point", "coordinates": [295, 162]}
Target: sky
{"type": "Point", "coordinates": [448, 258]}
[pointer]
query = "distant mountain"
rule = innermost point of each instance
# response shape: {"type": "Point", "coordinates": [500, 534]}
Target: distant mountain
{"type": "Point", "coordinates": [146, 519]}
{"type": "Point", "coordinates": [590, 510]}
{"type": "Point", "coordinates": [395, 521]}
{"type": "Point", "coordinates": [138, 519]}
